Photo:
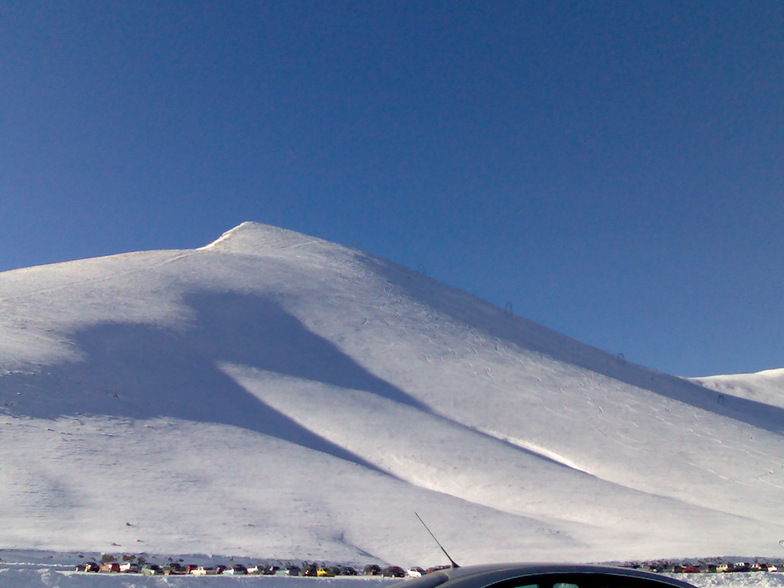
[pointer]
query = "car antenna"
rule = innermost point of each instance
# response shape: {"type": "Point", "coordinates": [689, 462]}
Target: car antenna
{"type": "Point", "coordinates": [454, 564]}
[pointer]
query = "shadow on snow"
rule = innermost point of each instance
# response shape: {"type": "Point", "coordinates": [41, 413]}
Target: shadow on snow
{"type": "Point", "coordinates": [140, 371]}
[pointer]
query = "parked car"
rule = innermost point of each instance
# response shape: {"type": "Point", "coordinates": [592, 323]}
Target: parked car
{"type": "Point", "coordinates": [432, 569]}
{"type": "Point", "coordinates": [110, 568]}
{"type": "Point", "coordinates": [348, 571]}
{"type": "Point", "coordinates": [203, 571]}
{"type": "Point", "coordinates": [293, 571]}
{"type": "Point", "coordinates": [690, 570]}
{"type": "Point", "coordinates": [372, 570]}
{"type": "Point", "coordinates": [152, 570]}
{"type": "Point", "coordinates": [393, 572]}
{"type": "Point", "coordinates": [129, 567]}
{"type": "Point", "coordinates": [174, 569]}
{"type": "Point", "coordinates": [88, 566]}
{"type": "Point", "coordinates": [236, 570]}
{"type": "Point", "coordinates": [416, 572]}
{"type": "Point", "coordinates": [541, 576]}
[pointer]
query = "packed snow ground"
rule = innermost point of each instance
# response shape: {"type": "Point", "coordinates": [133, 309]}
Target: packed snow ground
{"type": "Point", "coordinates": [60, 576]}
{"type": "Point", "coordinates": [56, 577]}
{"type": "Point", "coordinates": [49, 578]}
{"type": "Point", "coordinates": [31, 569]}
{"type": "Point", "coordinates": [46, 577]}
{"type": "Point", "coordinates": [278, 396]}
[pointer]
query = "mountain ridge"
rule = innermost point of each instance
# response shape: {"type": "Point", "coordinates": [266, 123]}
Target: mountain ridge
{"type": "Point", "coordinates": [364, 391]}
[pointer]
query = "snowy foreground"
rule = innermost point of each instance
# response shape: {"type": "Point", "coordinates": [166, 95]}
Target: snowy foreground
{"type": "Point", "coordinates": [37, 569]}
{"type": "Point", "coordinates": [34, 576]}
{"type": "Point", "coordinates": [274, 395]}
{"type": "Point", "coordinates": [38, 576]}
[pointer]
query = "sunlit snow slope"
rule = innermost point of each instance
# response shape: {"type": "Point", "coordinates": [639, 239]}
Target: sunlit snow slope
{"type": "Point", "coordinates": [276, 395]}
{"type": "Point", "coordinates": [765, 387]}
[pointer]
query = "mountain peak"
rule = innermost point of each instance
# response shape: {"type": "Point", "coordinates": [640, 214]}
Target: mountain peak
{"type": "Point", "coordinates": [251, 237]}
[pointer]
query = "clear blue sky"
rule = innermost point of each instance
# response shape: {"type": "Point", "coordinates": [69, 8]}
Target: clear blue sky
{"type": "Point", "coordinates": [614, 170]}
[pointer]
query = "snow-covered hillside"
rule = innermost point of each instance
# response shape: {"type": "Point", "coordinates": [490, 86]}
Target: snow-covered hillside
{"type": "Point", "coordinates": [764, 387]}
{"type": "Point", "coordinates": [276, 395]}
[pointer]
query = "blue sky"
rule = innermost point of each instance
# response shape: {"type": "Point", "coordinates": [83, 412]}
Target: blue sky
{"type": "Point", "coordinates": [613, 170]}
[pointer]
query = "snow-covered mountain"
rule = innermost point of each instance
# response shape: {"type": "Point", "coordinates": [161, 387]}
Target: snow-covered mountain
{"type": "Point", "coordinates": [764, 387]}
{"type": "Point", "coordinates": [276, 395]}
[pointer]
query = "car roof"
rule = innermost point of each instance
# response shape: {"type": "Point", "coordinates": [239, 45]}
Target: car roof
{"type": "Point", "coordinates": [483, 575]}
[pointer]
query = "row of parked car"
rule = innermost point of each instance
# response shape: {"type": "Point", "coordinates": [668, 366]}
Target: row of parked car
{"type": "Point", "coordinates": [306, 569]}
{"type": "Point", "coordinates": [706, 566]}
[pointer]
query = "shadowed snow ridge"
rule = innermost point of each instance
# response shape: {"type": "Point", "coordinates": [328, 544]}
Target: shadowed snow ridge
{"type": "Point", "coordinates": [273, 394]}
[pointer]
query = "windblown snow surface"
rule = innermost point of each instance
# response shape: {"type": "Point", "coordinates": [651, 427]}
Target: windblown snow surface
{"type": "Point", "coordinates": [275, 395]}
{"type": "Point", "coordinates": [763, 387]}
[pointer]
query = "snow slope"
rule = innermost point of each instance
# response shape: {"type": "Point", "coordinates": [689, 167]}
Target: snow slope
{"type": "Point", "coordinates": [764, 387]}
{"type": "Point", "coordinates": [275, 395]}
